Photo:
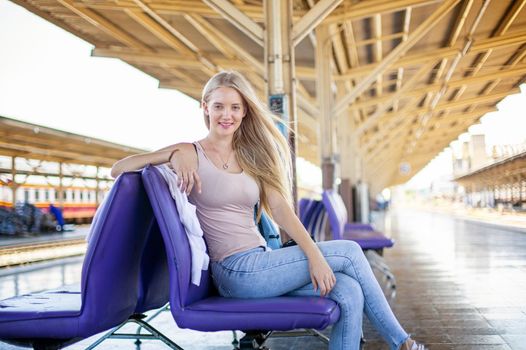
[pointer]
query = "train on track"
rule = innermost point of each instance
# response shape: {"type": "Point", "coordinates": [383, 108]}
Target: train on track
{"type": "Point", "coordinates": [79, 204]}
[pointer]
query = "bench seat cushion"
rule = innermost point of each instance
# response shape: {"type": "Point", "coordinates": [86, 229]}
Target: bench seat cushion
{"type": "Point", "coordinates": [358, 226]}
{"type": "Point", "coordinates": [279, 313]}
{"type": "Point", "coordinates": [368, 239]}
{"type": "Point", "coordinates": [46, 314]}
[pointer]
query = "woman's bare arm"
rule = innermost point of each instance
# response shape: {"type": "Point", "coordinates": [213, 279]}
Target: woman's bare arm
{"type": "Point", "coordinates": [182, 158]}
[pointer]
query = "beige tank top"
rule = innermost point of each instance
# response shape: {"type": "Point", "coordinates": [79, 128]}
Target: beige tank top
{"type": "Point", "coordinates": [225, 209]}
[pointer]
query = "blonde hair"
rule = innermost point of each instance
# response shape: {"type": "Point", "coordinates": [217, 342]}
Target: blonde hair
{"type": "Point", "coordinates": [260, 148]}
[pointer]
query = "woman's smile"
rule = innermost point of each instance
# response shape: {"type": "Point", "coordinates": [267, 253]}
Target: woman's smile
{"type": "Point", "coordinates": [225, 125]}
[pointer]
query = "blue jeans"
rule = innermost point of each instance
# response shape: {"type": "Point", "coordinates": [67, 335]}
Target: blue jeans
{"type": "Point", "coordinates": [259, 273]}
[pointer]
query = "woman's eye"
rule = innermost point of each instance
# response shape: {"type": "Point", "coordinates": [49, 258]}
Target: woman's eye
{"type": "Point", "coordinates": [236, 108]}
{"type": "Point", "coordinates": [218, 107]}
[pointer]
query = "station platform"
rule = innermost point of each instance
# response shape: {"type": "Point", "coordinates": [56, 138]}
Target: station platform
{"type": "Point", "coordinates": [460, 285]}
{"type": "Point", "coordinates": [79, 232]}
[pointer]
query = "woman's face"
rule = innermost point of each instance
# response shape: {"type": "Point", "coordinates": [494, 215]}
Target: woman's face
{"type": "Point", "coordinates": [225, 110]}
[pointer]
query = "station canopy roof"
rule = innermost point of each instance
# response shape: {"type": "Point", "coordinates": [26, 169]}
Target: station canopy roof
{"type": "Point", "coordinates": [21, 139]}
{"type": "Point", "coordinates": [411, 75]}
{"type": "Point", "coordinates": [511, 170]}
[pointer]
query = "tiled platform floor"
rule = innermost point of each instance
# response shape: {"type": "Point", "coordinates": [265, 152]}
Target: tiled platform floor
{"type": "Point", "coordinates": [461, 285]}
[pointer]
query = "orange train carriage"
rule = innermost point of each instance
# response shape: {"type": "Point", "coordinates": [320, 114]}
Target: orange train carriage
{"type": "Point", "coordinates": [78, 206]}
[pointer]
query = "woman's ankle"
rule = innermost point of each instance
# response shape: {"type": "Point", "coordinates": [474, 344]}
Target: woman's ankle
{"type": "Point", "coordinates": [408, 344]}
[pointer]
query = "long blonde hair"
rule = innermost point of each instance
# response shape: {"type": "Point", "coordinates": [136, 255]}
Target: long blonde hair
{"type": "Point", "coordinates": [260, 148]}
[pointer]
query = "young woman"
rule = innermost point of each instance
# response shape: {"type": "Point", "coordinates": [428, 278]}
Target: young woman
{"type": "Point", "coordinates": [245, 159]}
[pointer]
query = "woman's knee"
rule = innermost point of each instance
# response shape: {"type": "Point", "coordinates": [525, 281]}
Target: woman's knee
{"type": "Point", "coordinates": [348, 293]}
{"type": "Point", "coordinates": [352, 247]}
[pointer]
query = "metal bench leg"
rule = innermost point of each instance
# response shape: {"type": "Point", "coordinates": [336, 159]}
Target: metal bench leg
{"type": "Point", "coordinates": [138, 319]}
{"type": "Point", "coordinates": [377, 262]}
{"type": "Point", "coordinates": [235, 342]}
{"type": "Point", "coordinates": [303, 333]}
{"type": "Point", "coordinates": [254, 340]}
{"type": "Point", "coordinates": [148, 320]}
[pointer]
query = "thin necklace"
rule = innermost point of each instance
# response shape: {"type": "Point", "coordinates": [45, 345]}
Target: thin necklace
{"type": "Point", "coordinates": [225, 164]}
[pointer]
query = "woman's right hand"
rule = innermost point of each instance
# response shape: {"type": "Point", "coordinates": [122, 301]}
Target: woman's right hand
{"type": "Point", "coordinates": [184, 162]}
{"type": "Point", "coordinates": [321, 275]}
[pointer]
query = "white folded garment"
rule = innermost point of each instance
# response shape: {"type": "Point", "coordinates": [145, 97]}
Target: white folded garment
{"type": "Point", "coordinates": [188, 217]}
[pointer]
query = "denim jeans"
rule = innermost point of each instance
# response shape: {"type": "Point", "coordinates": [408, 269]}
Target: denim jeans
{"type": "Point", "coordinates": [260, 273]}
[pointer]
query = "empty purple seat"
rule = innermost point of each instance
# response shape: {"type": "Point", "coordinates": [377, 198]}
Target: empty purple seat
{"type": "Point", "coordinates": [201, 308]}
{"type": "Point", "coordinates": [363, 235]}
{"type": "Point", "coordinates": [371, 241]}
{"type": "Point", "coordinates": [314, 218]}
{"type": "Point", "coordinates": [358, 226]}
{"type": "Point", "coordinates": [110, 281]}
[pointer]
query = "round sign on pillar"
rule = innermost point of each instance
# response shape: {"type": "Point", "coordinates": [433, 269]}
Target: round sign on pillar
{"type": "Point", "coordinates": [404, 168]}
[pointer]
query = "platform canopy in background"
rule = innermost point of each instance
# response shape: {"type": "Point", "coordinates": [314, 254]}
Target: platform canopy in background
{"type": "Point", "coordinates": [379, 87]}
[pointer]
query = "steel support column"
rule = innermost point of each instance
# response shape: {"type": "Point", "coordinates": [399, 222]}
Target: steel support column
{"type": "Point", "coordinates": [60, 187]}
{"type": "Point", "coordinates": [14, 184]}
{"type": "Point", "coordinates": [279, 68]}
{"type": "Point", "coordinates": [324, 95]}
{"type": "Point", "coordinates": [97, 201]}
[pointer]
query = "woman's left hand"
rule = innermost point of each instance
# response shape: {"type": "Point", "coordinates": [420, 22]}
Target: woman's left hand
{"type": "Point", "coordinates": [321, 275]}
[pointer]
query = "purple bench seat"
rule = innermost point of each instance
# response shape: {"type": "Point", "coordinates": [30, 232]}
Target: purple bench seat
{"type": "Point", "coordinates": [200, 307]}
{"type": "Point", "coordinates": [358, 226]}
{"type": "Point", "coordinates": [363, 234]}
{"type": "Point", "coordinates": [109, 288]}
{"type": "Point", "coordinates": [371, 241]}
{"type": "Point", "coordinates": [368, 239]}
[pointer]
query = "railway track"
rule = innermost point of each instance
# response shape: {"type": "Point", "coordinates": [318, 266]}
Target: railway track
{"type": "Point", "coordinates": [34, 252]}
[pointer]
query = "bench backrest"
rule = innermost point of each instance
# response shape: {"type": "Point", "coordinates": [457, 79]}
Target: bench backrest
{"type": "Point", "coordinates": [304, 206]}
{"type": "Point", "coordinates": [110, 272]}
{"type": "Point", "coordinates": [313, 217]}
{"type": "Point", "coordinates": [182, 291]}
{"type": "Point", "coordinates": [336, 211]}
{"type": "Point", "coordinates": [154, 278]}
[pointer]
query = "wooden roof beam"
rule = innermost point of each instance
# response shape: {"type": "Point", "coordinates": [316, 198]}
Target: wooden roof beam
{"type": "Point", "coordinates": [103, 24]}
{"type": "Point", "coordinates": [159, 26]}
{"type": "Point", "coordinates": [339, 53]}
{"type": "Point", "coordinates": [175, 7]}
{"type": "Point", "coordinates": [460, 21]}
{"type": "Point", "coordinates": [148, 58]}
{"type": "Point", "coordinates": [193, 91]}
{"type": "Point", "coordinates": [374, 40]}
{"type": "Point", "coordinates": [395, 54]}
{"type": "Point", "coordinates": [377, 52]}
{"type": "Point", "coordinates": [501, 30]}
{"type": "Point", "coordinates": [158, 30]}
{"type": "Point", "coordinates": [515, 38]}
{"type": "Point", "coordinates": [70, 157]}
{"type": "Point", "coordinates": [400, 122]}
{"type": "Point", "coordinates": [452, 84]}
{"type": "Point", "coordinates": [311, 19]}
{"type": "Point", "coordinates": [239, 19]}
{"type": "Point", "coordinates": [381, 108]}
{"type": "Point", "coordinates": [206, 28]}
{"type": "Point", "coordinates": [369, 8]}
{"type": "Point", "coordinates": [400, 70]}
{"type": "Point", "coordinates": [218, 44]}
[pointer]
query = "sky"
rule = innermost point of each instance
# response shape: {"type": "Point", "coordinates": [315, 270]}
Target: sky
{"type": "Point", "coordinates": [48, 77]}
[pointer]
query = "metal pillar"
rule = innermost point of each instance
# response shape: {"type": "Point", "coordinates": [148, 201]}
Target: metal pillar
{"type": "Point", "coordinates": [348, 159]}
{"type": "Point", "coordinates": [60, 187]}
{"type": "Point", "coordinates": [97, 188]}
{"type": "Point", "coordinates": [14, 185]}
{"type": "Point", "coordinates": [324, 96]}
{"type": "Point", "coordinates": [280, 72]}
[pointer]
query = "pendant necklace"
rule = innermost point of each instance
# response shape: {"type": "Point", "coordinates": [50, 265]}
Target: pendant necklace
{"type": "Point", "coordinates": [225, 164]}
